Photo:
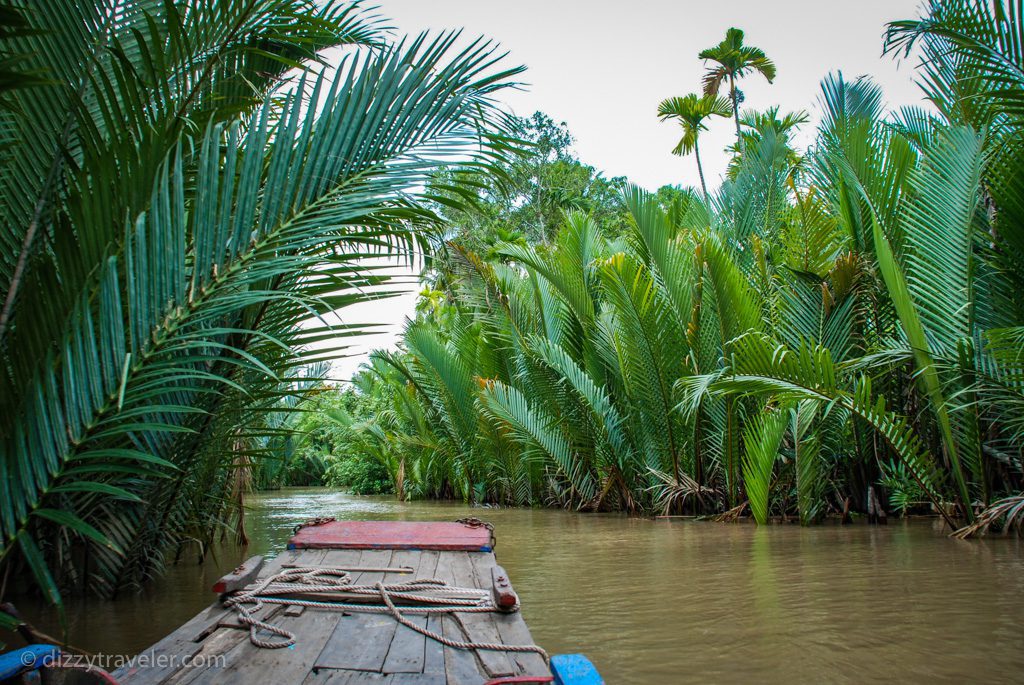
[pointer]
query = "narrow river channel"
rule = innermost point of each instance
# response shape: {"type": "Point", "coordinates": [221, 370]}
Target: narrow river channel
{"type": "Point", "coordinates": [674, 601]}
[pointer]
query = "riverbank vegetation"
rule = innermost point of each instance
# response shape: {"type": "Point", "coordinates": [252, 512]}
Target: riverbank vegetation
{"type": "Point", "coordinates": [830, 324]}
{"type": "Point", "coordinates": [188, 194]}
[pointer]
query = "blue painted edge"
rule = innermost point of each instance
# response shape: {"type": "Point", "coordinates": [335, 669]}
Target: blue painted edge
{"type": "Point", "coordinates": [574, 669]}
{"type": "Point", "coordinates": [26, 659]}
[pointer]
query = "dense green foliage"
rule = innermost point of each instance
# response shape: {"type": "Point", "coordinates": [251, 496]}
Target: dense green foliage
{"type": "Point", "coordinates": [830, 320]}
{"type": "Point", "coordinates": [186, 189]}
{"type": "Point", "coordinates": [361, 474]}
{"type": "Point", "coordinates": [528, 200]}
{"type": "Point", "coordinates": [329, 449]}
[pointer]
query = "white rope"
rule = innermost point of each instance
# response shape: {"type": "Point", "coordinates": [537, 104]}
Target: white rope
{"type": "Point", "coordinates": [457, 644]}
{"type": "Point", "coordinates": [438, 596]}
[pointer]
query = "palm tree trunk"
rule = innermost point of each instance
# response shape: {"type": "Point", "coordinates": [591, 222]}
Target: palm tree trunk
{"type": "Point", "coordinates": [700, 169]}
{"type": "Point", "coordinates": [731, 437]}
{"type": "Point", "coordinates": [400, 481]}
{"type": "Point", "coordinates": [735, 112]}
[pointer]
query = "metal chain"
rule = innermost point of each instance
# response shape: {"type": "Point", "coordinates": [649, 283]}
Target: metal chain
{"type": "Point", "coordinates": [318, 521]}
{"type": "Point", "coordinates": [474, 522]}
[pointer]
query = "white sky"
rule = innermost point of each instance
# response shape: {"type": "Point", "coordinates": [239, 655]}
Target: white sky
{"type": "Point", "coordinates": [603, 67]}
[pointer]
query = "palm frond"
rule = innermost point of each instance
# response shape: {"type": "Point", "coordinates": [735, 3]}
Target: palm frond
{"type": "Point", "coordinates": [762, 439]}
{"type": "Point", "coordinates": [177, 345]}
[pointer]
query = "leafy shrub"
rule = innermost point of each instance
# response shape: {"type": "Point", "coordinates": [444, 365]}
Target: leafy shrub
{"type": "Point", "coordinates": [360, 473]}
{"type": "Point", "coordinates": [905, 493]}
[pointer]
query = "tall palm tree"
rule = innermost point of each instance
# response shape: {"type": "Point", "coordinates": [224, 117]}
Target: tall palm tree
{"type": "Point", "coordinates": [691, 111]}
{"type": "Point", "coordinates": [734, 60]}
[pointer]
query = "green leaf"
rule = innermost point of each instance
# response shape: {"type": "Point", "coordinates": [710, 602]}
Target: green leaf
{"type": "Point", "coordinates": [69, 520]}
{"type": "Point", "coordinates": [95, 487]}
{"type": "Point", "coordinates": [41, 574]}
{"type": "Point", "coordinates": [901, 298]}
{"type": "Point", "coordinates": [762, 439]}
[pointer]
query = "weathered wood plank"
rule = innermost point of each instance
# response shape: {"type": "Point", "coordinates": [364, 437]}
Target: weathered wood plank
{"type": "Point", "coordinates": [217, 644]}
{"type": "Point", "coordinates": [480, 627]}
{"type": "Point", "coordinates": [244, 574]}
{"type": "Point", "coordinates": [268, 612]}
{"type": "Point", "coordinates": [416, 679]}
{"type": "Point", "coordinates": [408, 648]}
{"type": "Point", "coordinates": [428, 564]}
{"type": "Point", "coordinates": [408, 558]}
{"type": "Point", "coordinates": [512, 629]}
{"type": "Point", "coordinates": [433, 652]}
{"type": "Point", "coordinates": [359, 642]}
{"type": "Point", "coordinates": [247, 663]}
{"type": "Point", "coordinates": [461, 667]}
{"type": "Point", "coordinates": [372, 558]}
{"type": "Point", "coordinates": [336, 558]}
{"type": "Point", "coordinates": [155, 664]}
{"type": "Point", "coordinates": [331, 676]}
{"type": "Point", "coordinates": [291, 557]}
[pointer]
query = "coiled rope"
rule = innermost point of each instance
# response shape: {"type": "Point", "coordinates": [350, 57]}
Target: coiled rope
{"type": "Point", "coordinates": [438, 597]}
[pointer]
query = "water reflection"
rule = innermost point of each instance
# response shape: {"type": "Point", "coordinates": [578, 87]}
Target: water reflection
{"type": "Point", "coordinates": [677, 601]}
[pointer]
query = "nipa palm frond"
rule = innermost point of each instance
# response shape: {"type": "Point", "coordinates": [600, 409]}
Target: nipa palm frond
{"type": "Point", "coordinates": [237, 243]}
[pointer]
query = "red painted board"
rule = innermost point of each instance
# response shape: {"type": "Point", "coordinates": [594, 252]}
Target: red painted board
{"type": "Point", "coordinates": [445, 537]}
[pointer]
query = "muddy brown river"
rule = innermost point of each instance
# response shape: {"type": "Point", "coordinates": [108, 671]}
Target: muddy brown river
{"type": "Point", "coordinates": [678, 601]}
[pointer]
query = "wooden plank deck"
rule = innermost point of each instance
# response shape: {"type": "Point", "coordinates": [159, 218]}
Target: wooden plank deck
{"type": "Point", "coordinates": [333, 647]}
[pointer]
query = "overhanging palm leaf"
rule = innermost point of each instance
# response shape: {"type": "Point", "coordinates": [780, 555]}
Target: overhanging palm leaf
{"type": "Point", "coordinates": [234, 248]}
{"type": "Point", "coordinates": [975, 47]}
{"type": "Point", "coordinates": [126, 81]}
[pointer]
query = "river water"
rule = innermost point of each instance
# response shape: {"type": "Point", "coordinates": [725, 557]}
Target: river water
{"type": "Point", "coordinates": [677, 601]}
